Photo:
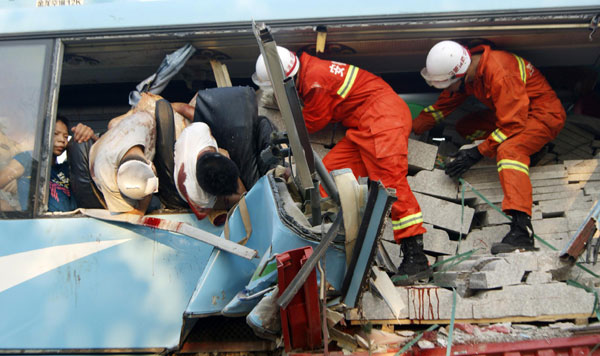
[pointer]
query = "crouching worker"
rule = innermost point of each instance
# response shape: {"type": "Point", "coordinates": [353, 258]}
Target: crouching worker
{"type": "Point", "coordinates": [525, 114]}
{"type": "Point", "coordinates": [376, 142]}
{"type": "Point", "coordinates": [121, 166]}
{"type": "Point", "coordinates": [217, 156]}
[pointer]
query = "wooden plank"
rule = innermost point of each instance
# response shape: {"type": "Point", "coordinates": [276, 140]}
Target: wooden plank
{"type": "Point", "coordinates": [513, 319]}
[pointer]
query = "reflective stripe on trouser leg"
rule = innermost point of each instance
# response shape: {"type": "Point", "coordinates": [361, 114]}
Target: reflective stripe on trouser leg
{"type": "Point", "coordinates": [514, 178]}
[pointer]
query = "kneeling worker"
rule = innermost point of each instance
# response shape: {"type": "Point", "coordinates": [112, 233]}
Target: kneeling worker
{"type": "Point", "coordinates": [525, 115]}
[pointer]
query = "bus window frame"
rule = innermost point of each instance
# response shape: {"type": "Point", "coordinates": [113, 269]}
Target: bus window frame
{"type": "Point", "coordinates": [43, 129]}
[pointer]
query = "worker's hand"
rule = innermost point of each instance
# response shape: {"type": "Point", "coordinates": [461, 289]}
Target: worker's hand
{"type": "Point", "coordinates": [463, 160]}
{"type": "Point", "coordinates": [83, 133]}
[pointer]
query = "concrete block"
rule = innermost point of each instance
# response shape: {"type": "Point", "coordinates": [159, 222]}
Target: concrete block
{"type": "Point", "coordinates": [437, 241]}
{"type": "Point", "coordinates": [526, 261]}
{"type": "Point", "coordinates": [584, 177]}
{"type": "Point", "coordinates": [444, 214]}
{"type": "Point", "coordinates": [547, 172]}
{"type": "Point", "coordinates": [559, 206]}
{"type": "Point", "coordinates": [557, 188]}
{"type": "Point", "coordinates": [579, 132]}
{"type": "Point", "coordinates": [592, 189]}
{"type": "Point", "coordinates": [497, 273]}
{"type": "Point", "coordinates": [375, 308]}
{"type": "Point", "coordinates": [538, 277]}
{"type": "Point", "coordinates": [493, 217]}
{"type": "Point", "coordinates": [421, 155]}
{"type": "Point", "coordinates": [549, 182]}
{"type": "Point", "coordinates": [583, 166]}
{"type": "Point", "coordinates": [556, 195]}
{"type": "Point", "coordinates": [469, 193]}
{"type": "Point", "coordinates": [532, 300]}
{"type": "Point", "coordinates": [482, 239]}
{"type": "Point", "coordinates": [550, 226]}
{"type": "Point", "coordinates": [432, 303]}
{"type": "Point", "coordinates": [575, 218]}
{"type": "Point", "coordinates": [435, 183]}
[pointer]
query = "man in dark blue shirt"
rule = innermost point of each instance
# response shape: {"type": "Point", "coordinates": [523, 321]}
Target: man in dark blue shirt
{"type": "Point", "coordinates": [60, 198]}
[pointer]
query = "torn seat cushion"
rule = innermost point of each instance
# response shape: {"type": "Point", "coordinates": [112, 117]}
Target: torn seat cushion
{"type": "Point", "coordinates": [83, 189]}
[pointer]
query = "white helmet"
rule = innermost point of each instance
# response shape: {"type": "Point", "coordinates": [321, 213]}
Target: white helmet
{"type": "Point", "coordinates": [289, 61]}
{"type": "Point", "coordinates": [446, 63]}
{"type": "Point", "coordinates": [136, 179]}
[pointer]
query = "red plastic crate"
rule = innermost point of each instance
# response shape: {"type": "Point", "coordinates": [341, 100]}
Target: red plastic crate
{"type": "Point", "coordinates": [300, 321]}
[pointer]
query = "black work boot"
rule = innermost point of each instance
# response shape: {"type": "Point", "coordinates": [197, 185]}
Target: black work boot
{"type": "Point", "coordinates": [414, 264]}
{"type": "Point", "coordinates": [520, 236]}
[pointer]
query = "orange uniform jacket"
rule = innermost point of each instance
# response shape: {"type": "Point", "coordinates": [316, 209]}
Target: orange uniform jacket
{"type": "Point", "coordinates": [378, 122]}
{"type": "Point", "coordinates": [527, 115]}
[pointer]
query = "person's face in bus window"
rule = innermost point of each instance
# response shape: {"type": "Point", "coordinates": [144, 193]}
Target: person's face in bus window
{"type": "Point", "coordinates": [61, 136]}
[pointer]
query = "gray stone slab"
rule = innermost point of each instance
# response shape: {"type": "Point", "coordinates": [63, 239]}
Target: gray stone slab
{"type": "Point", "coordinates": [579, 132]}
{"type": "Point", "coordinates": [584, 177]}
{"type": "Point", "coordinates": [375, 308]}
{"type": "Point", "coordinates": [495, 274]}
{"type": "Point", "coordinates": [583, 166]}
{"type": "Point", "coordinates": [532, 300]}
{"type": "Point", "coordinates": [493, 217]}
{"type": "Point", "coordinates": [434, 303]}
{"type": "Point", "coordinates": [550, 226]}
{"type": "Point", "coordinates": [435, 183]}
{"type": "Point", "coordinates": [575, 218]}
{"type": "Point", "coordinates": [557, 188]}
{"type": "Point", "coordinates": [559, 206]}
{"type": "Point", "coordinates": [444, 214]}
{"type": "Point", "coordinates": [555, 195]}
{"type": "Point", "coordinates": [421, 155]}
{"type": "Point", "coordinates": [526, 261]}
{"type": "Point", "coordinates": [436, 241]}
{"type": "Point", "coordinates": [482, 239]}
{"type": "Point", "coordinates": [538, 277]}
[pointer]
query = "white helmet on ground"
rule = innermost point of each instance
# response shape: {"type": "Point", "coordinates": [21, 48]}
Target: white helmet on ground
{"type": "Point", "coordinates": [289, 62]}
{"type": "Point", "coordinates": [446, 63]}
{"type": "Point", "coordinates": [136, 179]}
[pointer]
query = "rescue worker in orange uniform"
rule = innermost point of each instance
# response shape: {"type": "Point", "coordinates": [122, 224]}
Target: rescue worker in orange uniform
{"type": "Point", "coordinates": [378, 124]}
{"type": "Point", "coordinates": [524, 115]}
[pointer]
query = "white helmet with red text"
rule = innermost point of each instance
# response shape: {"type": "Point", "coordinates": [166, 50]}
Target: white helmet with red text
{"type": "Point", "coordinates": [446, 63]}
{"type": "Point", "coordinates": [289, 62]}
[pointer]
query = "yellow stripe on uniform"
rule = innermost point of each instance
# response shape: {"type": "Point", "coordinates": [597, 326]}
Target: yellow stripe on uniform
{"type": "Point", "coordinates": [510, 164]}
{"type": "Point", "coordinates": [348, 81]}
{"type": "Point", "coordinates": [498, 136]}
{"type": "Point", "coordinates": [522, 68]}
{"type": "Point", "coordinates": [475, 135]}
{"type": "Point", "coordinates": [407, 221]}
{"type": "Point", "coordinates": [437, 114]}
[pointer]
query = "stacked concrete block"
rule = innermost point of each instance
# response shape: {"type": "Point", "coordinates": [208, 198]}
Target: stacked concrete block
{"type": "Point", "coordinates": [436, 241]}
{"type": "Point", "coordinates": [435, 303]}
{"type": "Point", "coordinates": [375, 308]}
{"type": "Point", "coordinates": [532, 300]}
{"type": "Point", "coordinates": [573, 143]}
{"type": "Point", "coordinates": [444, 214]}
{"type": "Point", "coordinates": [435, 183]}
{"type": "Point", "coordinates": [421, 155]}
{"type": "Point", "coordinates": [481, 240]}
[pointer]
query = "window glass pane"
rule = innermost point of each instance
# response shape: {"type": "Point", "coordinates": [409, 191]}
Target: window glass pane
{"type": "Point", "coordinates": [22, 66]}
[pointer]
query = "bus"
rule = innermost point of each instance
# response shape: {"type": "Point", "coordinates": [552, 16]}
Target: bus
{"type": "Point", "coordinates": [72, 284]}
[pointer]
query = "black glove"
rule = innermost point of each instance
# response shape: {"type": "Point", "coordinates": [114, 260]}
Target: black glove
{"type": "Point", "coordinates": [463, 161]}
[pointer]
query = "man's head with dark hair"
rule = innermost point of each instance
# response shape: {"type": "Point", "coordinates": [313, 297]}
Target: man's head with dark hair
{"type": "Point", "coordinates": [216, 174]}
{"type": "Point", "coordinates": [63, 119]}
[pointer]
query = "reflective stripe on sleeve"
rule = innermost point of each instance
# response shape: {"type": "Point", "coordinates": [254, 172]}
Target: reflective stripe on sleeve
{"type": "Point", "coordinates": [498, 136]}
{"type": "Point", "coordinates": [511, 164]}
{"type": "Point", "coordinates": [522, 70]}
{"type": "Point", "coordinates": [348, 81]}
{"type": "Point", "coordinates": [475, 135]}
{"type": "Point", "coordinates": [407, 221]}
{"type": "Point", "coordinates": [437, 114]}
